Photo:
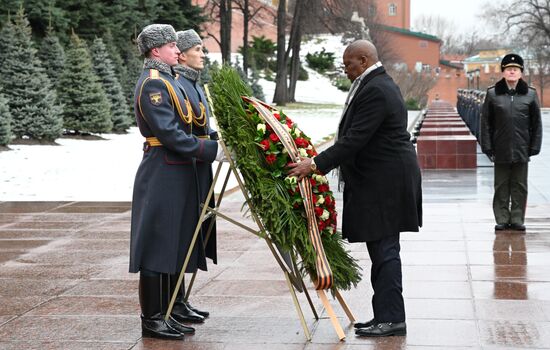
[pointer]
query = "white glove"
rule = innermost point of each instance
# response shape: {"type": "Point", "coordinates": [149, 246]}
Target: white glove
{"type": "Point", "coordinates": [220, 156]}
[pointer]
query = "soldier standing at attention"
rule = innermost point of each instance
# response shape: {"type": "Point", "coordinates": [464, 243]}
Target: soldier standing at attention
{"type": "Point", "coordinates": [511, 132]}
{"type": "Point", "coordinates": [165, 197]}
{"type": "Point", "coordinates": [191, 62]}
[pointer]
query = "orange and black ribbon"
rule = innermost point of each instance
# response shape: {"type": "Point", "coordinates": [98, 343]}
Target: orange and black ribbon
{"type": "Point", "coordinates": [324, 273]}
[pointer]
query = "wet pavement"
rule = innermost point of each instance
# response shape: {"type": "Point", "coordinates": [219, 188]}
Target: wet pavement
{"type": "Point", "coordinates": [64, 282]}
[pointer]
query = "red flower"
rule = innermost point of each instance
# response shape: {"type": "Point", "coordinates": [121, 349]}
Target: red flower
{"type": "Point", "coordinates": [300, 142]}
{"type": "Point", "coordinates": [311, 152]}
{"type": "Point", "coordinates": [277, 116]}
{"type": "Point", "coordinates": [333, 215]}
{"type": "Point", "coordinates": [321, 225]}
{"type": "Point", "coordinates": [314, 199]}
{"type": "Point", "coordinates": [328, 201]}
{"type": "Point", "coordinates": [265, 144]}
{"type": "Point", "coordinates": [318, 211]}
{"type": "Point", "coordinates": [270, 158]}
{"type": "Point", "coordinates": [312, 182]}
{"type": "Point", "coordinates": [289, 122]}
{"type": "Point", "coordinates": [274, 137]}
{"type": "Point", "coordinates": [323, 188]}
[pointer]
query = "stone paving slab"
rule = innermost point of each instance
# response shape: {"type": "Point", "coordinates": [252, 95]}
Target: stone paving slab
{"type": "Point", "coordinates": [64, 282]}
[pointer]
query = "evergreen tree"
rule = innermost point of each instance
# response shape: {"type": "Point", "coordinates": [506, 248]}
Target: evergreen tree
{"type": "Point", "coordinates": [6, 41]}
{"type": "Point", "coordinates": [5, 120]}
{"type": "Point", "coordinates": [86, 105]}
{"type": "Point", "coordinates": [103, 67]}
{"type": "Point", "coordinates": [134, 66]}
{"type": "Point", "coordinates": [52, 56]}
{"type": "Point", "coordinates": [31, 99]}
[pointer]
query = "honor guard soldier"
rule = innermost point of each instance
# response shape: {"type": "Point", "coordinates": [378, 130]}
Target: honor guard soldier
{"type": "Point", "coordinates": [190, 63]}
{"type": "Point", "coordinates": [165, 198]}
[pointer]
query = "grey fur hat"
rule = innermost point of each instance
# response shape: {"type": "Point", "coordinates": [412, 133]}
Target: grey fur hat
{"type": "Point", "coordinates": [155, 35]}
{"type": "Point", "coordinates": [187, 39]}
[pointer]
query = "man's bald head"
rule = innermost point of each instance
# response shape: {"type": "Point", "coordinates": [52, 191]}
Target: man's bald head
{"type": "Point", "coordinates": [362, 47]}
{"type": "Point", "coordinates": [358, 56]}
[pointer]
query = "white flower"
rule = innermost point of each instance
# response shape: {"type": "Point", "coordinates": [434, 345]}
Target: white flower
{"type": "Point", "coordinates": [284, 150]}
{"type": "Point", "coordinates": [303, 152]}
{"type": "Point", "coordinates": [261, 128]}
{"type": "Point", "coordinates": [309, 147]}
{"type": "Point", "coordinates": [320, 179]}
{"type": "Point", "coordinates": [296, 132]}
{"type": "Point", "coordinates": [320, 200]}
{"type": "Point", "coordinates": [292, 180]}
{"type": "Point", "coordinates": [325, 215]}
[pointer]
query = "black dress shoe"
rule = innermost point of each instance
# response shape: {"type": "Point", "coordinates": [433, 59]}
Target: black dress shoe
{"type": "Point", "coordinates": [501, 227]}
{"type": "Point", "coordinates": [183, 314]}
{"type": "Point", "coordinates": [204, 314]}
{"type": "Point", "coordinates": [517, 227]}
{"type": "Point", "coordinates": [365, 324]}
{"type": "Point", "coordinates": [383, 330]}
{"type": "Point", "coordinates": [158, 328]}
{"type": "Point", "coordinates": [180, 327]}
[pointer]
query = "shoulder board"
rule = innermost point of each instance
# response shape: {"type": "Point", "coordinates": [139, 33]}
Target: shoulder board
{"type": "Point", "coordinates": [532, 87]}
{"type": "Point", "coordinates": [154, 74]}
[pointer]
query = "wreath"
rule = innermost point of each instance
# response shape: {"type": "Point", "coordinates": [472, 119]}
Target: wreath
{"type": "Point", "coordinates": [276, 198]}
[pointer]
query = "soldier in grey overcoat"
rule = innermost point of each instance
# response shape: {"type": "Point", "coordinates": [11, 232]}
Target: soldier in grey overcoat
{"type": "Point", "coordinates": [165, 198]}
{"type": "Point", "coordinates": [188, 69]}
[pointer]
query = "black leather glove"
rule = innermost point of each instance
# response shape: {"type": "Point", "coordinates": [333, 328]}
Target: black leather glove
{"type": "Point", "coordinates": [214, 136]}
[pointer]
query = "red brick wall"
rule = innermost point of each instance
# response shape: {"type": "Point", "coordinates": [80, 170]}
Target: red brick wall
{"type": "Point", "coordinates": [402, 18]}
{"type": "Point", "coordinates": [448, 82]}
{"type": "Point", "coordinates": [411, 49]}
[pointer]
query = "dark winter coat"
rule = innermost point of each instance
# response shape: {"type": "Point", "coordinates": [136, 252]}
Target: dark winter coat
{"type": "Point", "coordinates": [511, 126]}
{"type": "Point", "coordinates": [378, 163]}
{"type": "Point", "coordinates": [165, 207]}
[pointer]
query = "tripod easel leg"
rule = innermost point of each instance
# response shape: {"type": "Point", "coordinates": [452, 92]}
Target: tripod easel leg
{"type": "Point", "coordinates": [345, 307]}
{"type": "Point", "coordinates": [331, 314]}
{"type": "Point", "coordinates": [298, 308]}
{"type": "Point", "coordinates": [209, 231]}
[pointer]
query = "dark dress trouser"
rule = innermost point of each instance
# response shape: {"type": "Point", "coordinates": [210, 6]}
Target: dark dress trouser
{"type": "Point", "coordinates": [387, 301]}
{"type": "Point", "coordinates": [510, 196]}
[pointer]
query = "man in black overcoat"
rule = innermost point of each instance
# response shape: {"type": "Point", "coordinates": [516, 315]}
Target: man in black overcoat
{"type": "Point", "coordinates": [165, 198]}
{"type": "Point", "coordinates": [382, 183]}
{"type": "Point", "coordinates": [511, 133]}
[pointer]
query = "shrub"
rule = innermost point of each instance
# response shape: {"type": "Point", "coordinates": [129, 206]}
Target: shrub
{"type": "Point", "coordinates": [321, 61]}
{"type": "Point", "coordinates": [412, 104]}
{"type": "Point", "coordinates": [342, 83]}
{"type": "Point", "coordinates": [260, 52]}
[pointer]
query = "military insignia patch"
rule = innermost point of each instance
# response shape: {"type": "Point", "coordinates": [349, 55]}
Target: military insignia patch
{"type": "Point", "coordinates": [156, 98]}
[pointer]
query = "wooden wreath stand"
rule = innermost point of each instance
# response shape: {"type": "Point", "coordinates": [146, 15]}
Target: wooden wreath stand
{"type": "Point", "coordinates": [287, 261]}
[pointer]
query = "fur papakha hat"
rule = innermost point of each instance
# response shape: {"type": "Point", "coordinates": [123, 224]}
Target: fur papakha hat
{"type": "Point", "coordinates": [187, 39]}
{"type": "Point", "coordinates": [155, 35]}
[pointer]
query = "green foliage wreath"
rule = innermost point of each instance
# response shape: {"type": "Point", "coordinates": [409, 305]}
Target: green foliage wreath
{"type": "Point", "coordinates": [269, 195]}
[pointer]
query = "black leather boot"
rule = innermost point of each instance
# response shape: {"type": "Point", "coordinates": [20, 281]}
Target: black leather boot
{"type": "Point", "coordinates": [165, 301]}
{"type": "Point", "coordinates": [204, 314]}
{"type": "Point", "coordinates": [152, 317]}
{"type": "Point", "coordinates": [181, 311]}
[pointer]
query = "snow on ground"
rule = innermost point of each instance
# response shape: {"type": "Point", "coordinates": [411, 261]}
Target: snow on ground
{"type": "Point", "coordinates": [104, 170]}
